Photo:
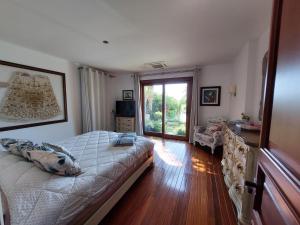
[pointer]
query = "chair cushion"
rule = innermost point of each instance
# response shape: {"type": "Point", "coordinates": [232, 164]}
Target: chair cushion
{"type": "Point", "coordinates": [212, 128]}
{"type": "Point", "coordinates": [205, 138]}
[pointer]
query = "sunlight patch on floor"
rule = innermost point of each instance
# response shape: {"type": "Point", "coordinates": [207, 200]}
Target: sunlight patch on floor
{"type": "Point", "coordinates": [180, 184]}
{"type": "Point", "coordinates": [200, 166]}
{"type": "Point", "coordinates": [166, 155]}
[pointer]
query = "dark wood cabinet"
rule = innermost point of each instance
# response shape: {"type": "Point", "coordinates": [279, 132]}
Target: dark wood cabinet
{"type": "Point", "coordinates": [277, 199]}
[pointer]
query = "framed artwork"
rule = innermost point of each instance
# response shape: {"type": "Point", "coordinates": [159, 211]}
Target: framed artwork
{"type": "Point", "coordinates": [31, 96]}
{"type": "Point", "coordinates": [127, 95]}
{"type": "Point", "coordinates": [210, 96]}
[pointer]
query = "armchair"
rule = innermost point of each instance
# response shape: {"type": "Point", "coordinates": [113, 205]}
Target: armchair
{"type": "Point", "coordinates": [211, 136]}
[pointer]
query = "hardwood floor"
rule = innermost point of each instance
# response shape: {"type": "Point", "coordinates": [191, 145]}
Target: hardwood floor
{"type": "Point", "coordinates": [185, 187]}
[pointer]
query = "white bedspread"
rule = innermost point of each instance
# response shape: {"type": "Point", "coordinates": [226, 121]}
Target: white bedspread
{"type": "Point", "coordinates": [39, 198]}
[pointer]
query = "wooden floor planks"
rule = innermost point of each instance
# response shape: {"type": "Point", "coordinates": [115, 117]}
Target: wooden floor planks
{"type": "Point", "coordinates": [185, 187]}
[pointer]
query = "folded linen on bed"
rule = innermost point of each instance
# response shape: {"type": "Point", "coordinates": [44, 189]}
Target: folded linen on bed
{"type": "Point", "coordinates": [46, 157]}
{"type": "Point", "coordinates": [126, 139]}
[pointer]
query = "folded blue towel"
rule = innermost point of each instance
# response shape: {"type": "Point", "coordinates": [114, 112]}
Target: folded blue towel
{"type": "Point", "coordinates": [126, 139]}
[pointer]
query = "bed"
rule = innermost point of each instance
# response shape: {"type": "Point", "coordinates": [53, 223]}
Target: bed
{"type": "Point", "coordinates": [34, 197]}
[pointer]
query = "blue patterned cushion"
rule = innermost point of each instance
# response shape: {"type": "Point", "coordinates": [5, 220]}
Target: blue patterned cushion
{"type": "Point", "coordinates": [54, 162]}
{"type": "Point", "coordinates": [48, 157]}
{"type": "Point", "coordinates": [58, 148]}
{"type": "Point", "coordinates": [17, 146]}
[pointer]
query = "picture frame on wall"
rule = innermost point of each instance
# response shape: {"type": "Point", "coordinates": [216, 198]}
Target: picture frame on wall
{"type": "Point", "coordinates": [210, 96]}
{"type": "Point", "coordinates": [31, 96]}
{"type": "Point", "coordinates": [127, 95]}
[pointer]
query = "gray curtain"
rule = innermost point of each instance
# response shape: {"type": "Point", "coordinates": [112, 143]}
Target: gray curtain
{"type": "Point", "coordinates": [93, 99]}
{"type": "Point", "coordinates": [138, 112]}
{"type": "Point", "coordinates": [194, 118]}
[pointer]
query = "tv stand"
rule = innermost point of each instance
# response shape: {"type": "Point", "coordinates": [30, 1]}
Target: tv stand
{"type": "Point", "coordinates": [125, 124]}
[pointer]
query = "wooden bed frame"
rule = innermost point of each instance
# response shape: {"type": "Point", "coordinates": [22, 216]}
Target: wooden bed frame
{"type": "Point", "coordinates": [96, 218]}
{"type": "Point", "coordinates": [1, 212]}
{"type": "Point", "coordinates": [113, 200]}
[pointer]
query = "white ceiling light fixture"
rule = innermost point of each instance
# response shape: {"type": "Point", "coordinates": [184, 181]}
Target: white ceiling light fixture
{"type": "Point", "coordinates": [156, 65]}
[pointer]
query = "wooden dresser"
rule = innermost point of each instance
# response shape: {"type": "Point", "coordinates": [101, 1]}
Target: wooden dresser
{"type": "Point", "coordinates": [125, 124]}
{"type": "Point", "coordinates": [239, 165]}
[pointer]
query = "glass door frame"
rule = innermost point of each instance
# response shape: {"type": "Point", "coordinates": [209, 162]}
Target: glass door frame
{"type": "Point", "coordinates": [163, 82]}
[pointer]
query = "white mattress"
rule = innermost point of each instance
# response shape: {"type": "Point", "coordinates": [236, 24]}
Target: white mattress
{"type": "Point", "coordinates": [39, 198]}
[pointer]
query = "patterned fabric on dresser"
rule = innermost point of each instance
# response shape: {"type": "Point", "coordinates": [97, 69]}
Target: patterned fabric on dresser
{"type": "Point", "coordinates": [238, 165]}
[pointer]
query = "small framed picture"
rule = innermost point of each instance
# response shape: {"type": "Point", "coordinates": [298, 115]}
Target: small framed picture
{"type": "Point", "coordinates": [210, 96]}
{"type": "Point", "coordinates": [127, 94]}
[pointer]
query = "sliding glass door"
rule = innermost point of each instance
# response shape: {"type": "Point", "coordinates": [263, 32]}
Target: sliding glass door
{"type": "Point", "coordinates": [153, 107]}
{"type": "Point", "coordinates": [166, 107]}
{"type": "Point", "coordinates": [175, 109]}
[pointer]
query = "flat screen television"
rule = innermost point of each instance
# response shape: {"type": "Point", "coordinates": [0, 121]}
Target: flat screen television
{"type": "Point", "coordinates": [125, 108]}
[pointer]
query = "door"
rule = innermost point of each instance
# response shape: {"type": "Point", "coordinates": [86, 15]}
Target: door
{"type": "Point", "coordinates": [166, 107]}
{"type": "Point", "coordinates": [277, 199]}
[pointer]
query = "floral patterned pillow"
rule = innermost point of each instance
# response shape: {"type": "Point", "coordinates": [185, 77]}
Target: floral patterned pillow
{"type": "Point", "coordinates": [59, 148]}
{"type": "Point", "coordinates": [17, 146]}
{"type": "Point", "coordinates": [48, 157]}
{"type": "Point", "coordinates": [54, 162]}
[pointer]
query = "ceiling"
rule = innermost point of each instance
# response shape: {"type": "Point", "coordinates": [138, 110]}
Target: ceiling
{"type": "Point", "coordinates": [183, 33]}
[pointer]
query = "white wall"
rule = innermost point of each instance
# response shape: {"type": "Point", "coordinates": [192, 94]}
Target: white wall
{"type": "Point", "coordinates": [240, 72]}
{"type": "Point", "coordinates": [216, 75]}
{"type": "Point", "coordinates": [247, 75]}
{"type": "Point", "coordinates": [54, 132]}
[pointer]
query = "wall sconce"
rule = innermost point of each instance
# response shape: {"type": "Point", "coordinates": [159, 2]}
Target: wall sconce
{"type": "Point", "coordinates": [232, 90]}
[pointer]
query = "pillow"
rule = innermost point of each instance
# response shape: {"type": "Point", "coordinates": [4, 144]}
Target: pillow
{"type": "Point", "coordinates": [131, 135]}
{"type": "Point", "coordinates": [125, 140]}
{"type": "Point", "coordinates": [17, 146]}
{"type": "Point", "coordinates": [54, 162]}
{"type": "Point", "coordinates": [51, 158]}
{"type": "Point", "coordinates": [59, 148]}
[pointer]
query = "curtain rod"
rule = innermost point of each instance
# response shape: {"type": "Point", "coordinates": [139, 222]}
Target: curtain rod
{"type": "Point", "coordinates": [94, 68]}
{"type": "Point", "coordinates": [169, 72]}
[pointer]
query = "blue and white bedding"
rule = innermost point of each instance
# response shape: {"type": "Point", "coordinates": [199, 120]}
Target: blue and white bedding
{"type": "Point", "coordinates": [36, 197]}
{"type": "Point", "coordinates": [48, 157]}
